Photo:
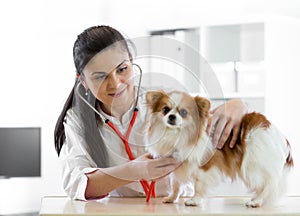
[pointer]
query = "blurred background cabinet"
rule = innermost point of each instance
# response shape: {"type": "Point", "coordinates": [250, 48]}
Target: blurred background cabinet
{"type": "Point", "coordinates": [250, 59]}
{"type": "Point", "coordinates": [236, 53]}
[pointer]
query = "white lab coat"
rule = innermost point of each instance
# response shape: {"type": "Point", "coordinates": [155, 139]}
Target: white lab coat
{"type": "Point", "coordinates": [76, 162]}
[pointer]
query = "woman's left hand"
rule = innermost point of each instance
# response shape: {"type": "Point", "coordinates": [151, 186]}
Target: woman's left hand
{"type": "Point", "coordinates": [225, 119]}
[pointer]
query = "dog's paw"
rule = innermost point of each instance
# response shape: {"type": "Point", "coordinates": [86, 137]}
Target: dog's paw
{"type": "Point", "coordinates": [168, 200]}
{"type": "Point", "coordinates": [193, 202]}
{"type": "Point", "coordinates": [253, 204]}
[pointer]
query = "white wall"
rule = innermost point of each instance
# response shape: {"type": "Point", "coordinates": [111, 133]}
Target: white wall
{"type": "Point", "coordinates": [37, 71]}
{"type": "Point", "coordinates": [37, 74]}
{"type": "Point", "coordinates": [134, 16]}
{"type": "Point", "coordinates": [21, 91]}
{"type": "Point", "coordinates": [282, 85]}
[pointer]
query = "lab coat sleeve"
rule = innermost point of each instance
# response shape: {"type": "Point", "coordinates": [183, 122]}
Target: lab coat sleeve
{"type": "Point", "coordinates": [76, 162]}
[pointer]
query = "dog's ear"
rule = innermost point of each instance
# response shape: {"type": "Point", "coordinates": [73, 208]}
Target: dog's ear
{"type": "Point", "coordinates": [153, 96]}
{"type": "Point", "coordinates": [203, 105]}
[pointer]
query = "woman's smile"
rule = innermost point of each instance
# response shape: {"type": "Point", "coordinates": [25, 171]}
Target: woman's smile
{"type": "Point", "coordinates": [117, 94]}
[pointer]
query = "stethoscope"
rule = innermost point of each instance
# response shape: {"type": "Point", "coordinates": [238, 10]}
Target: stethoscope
{"type": "Point", "coordinates": [148, 188]}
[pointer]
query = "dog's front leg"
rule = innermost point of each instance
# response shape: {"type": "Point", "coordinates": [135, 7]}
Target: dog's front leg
{"type": "Point", "coordinates": [200, 191]}
{"type": "Point", "coordinates": [175, 190]}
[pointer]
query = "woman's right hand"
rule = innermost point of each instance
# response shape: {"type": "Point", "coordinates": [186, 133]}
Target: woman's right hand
{"type": "Point", "coordinates": [143, 167]}
{"type": "Point", "coordinates": [149, 168]}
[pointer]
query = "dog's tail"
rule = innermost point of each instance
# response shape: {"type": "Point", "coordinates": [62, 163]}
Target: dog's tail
{"type": "Point", "coordinates": [289, 159]}
{"type": "Point", "coordinates": [282, 187]}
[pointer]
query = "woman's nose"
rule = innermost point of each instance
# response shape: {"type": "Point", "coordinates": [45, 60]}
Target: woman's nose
{"type": "Point", "coordinates": [114, 81]}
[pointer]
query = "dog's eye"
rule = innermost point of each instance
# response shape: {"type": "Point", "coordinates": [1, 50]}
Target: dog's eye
{"type": "Point", "coordinates": [183, 113]}
{"type": "Point", "coordinates": [165, 110]}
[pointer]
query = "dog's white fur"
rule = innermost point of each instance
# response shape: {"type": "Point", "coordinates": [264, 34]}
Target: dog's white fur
{"type": "Point", "coordinates": [261, 157]}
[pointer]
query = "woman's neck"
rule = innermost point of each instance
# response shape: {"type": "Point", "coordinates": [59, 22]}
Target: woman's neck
{"type": "Point", "coordinates": [117, 111]}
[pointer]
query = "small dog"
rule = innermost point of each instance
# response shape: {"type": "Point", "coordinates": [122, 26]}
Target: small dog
{"type": "Point", "coordinates": [261, 157]}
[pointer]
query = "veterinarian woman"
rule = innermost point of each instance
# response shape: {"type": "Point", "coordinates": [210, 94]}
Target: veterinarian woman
{"type": "Point", "coordinates": [90, 134]}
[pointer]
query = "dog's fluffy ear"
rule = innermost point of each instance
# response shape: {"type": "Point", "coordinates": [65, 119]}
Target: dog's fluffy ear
{"type": "Point", "coordinates": [203, 105]}
{"type": "Point", "coordinates": [153, 96]}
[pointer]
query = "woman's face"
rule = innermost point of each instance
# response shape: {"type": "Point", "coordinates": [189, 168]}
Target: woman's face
{"type": "Point", "coordinates": [109, 77]}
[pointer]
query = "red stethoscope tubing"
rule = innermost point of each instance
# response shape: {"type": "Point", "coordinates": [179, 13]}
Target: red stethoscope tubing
{"type": "Point", "coordinates": [149, 189]}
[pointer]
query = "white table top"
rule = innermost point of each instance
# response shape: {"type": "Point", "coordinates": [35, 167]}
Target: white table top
{"type": "Point", "coordinates": [138, 206]}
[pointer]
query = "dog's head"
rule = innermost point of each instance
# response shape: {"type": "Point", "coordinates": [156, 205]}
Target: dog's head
{"type": "Point", "coordinates": [177, 115]}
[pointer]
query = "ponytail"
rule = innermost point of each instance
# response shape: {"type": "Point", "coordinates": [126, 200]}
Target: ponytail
{"type": "Point", "coordinates": [59, 131]}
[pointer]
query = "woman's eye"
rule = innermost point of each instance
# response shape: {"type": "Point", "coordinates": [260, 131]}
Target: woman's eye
{"type": "Point", "coordinates": [165, 110]}
{"type": "Point", "coordinates": [122, 69]}
{"type": "Point", "coordinates": [100, 77]}
{"type": "Point", "coordinates": [183, 113]}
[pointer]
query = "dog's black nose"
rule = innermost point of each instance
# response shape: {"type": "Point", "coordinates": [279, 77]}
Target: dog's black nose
{"type": "Point", "coordinates": [172, 119]}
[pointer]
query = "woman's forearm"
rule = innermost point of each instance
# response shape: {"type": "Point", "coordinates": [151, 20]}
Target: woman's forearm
{"type": "Point", "coordinates": [103, 181]}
